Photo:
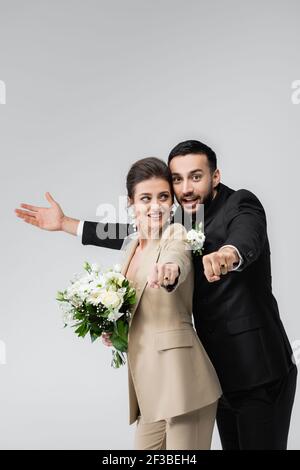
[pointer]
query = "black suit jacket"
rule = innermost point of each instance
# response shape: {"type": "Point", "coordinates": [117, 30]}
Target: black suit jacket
{"type": "Point", "coordinates": [236, 318]}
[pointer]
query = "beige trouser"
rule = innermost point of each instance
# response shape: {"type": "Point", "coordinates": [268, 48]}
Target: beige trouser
{"type": "Point", "coordinates": [190, 431]}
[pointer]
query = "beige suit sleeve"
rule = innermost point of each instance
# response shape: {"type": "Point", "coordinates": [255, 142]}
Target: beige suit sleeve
{"type": "Point", "coordinates": [175, 249]}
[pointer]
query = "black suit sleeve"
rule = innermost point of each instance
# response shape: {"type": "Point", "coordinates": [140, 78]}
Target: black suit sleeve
{"type": "Point", "coordinates": [245, 222]}
{"type": "Point", "coordinates": [105, 235]}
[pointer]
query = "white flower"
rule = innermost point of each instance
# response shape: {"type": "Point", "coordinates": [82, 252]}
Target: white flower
{"type": "Point", "coordinates": [107, 297]}
{"type": "Point", "coordinates": [112, 277]}
{"type": "Point", "coordinates": [67, 313]}
{"type": "Point", "coordinates": [73, 290]}
{"type": "Point", "coordinates": [196, 239]}
{"type": "Point", "coordinates": [122, 291]}
{"type": "Point", "coordinates": [95, 267]}
{"type": "Point", "coordinates": [68, 318]}
{"type": "Point", "coordinates": [100, 280]}
{"type": "Point", "coordinates": [111, 299]}
{"type": "Point", "coordinates": [114, 315]}
{"type": "Point", "coordinates": [95, 297]}
{"type": "Point", "coordinates": [82, 287]}
{"type": "Point", "coordinates": [117, 268]}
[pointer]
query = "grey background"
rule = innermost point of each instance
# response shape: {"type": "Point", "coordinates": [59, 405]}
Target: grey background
{"type": "Point", "coordinates": [91, 87]}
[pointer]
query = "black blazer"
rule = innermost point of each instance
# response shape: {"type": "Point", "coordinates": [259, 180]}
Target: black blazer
{"type": "Point", "coordinates": [236, 318]}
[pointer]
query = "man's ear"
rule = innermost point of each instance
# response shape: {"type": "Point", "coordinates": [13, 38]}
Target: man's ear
{"type": "Point", "coordinates": [216, 178]}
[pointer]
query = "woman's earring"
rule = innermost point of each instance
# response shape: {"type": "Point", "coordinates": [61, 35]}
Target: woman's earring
{"type": "Point", "coordinates": [131, 217]}
{"type": "Point", "coordinates": [172, 212]}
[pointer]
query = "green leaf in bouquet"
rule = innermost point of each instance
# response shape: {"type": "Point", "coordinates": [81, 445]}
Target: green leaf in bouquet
{"type": "Point", "coordinates": [95, 330]}
{"type": "Point", "coordinates": [82, 329]}
{"type": "Point", "coordinates": [117, 359]}
{"type": "Point", "coordinates": [105, 313]}
{"type": "Point", "coordinates": [93, 335]}
{"type": "Point", "coordinates": [87, 267]}
{"type": "Point", "coordinates": [122, 328]}
{"type": "Point", "coordinates": [130, 298]}
{"type": "Point", "coordinates": [96, 327]}
{"type": "Point", "coordinates": [119, 337]}
{"type": "Point", "coordinates": [91, 309]}
{"type": "Point", "coordinates": [119, 343]}
{"type": "Point", "coordinates": [80, 316]}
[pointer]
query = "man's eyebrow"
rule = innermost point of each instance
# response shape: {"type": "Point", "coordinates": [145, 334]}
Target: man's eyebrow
{"type": "Point", "coordinates": [190, 172]}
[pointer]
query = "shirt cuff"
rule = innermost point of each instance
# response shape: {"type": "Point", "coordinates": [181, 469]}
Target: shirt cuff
{"type": "Point", "coordinates": [80, 229]}
{"type": "Point", "coordinates": [237, 267]}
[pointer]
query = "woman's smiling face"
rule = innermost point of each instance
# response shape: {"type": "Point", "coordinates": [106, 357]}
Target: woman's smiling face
{"type": "Point", "coordinates": [152, 202]}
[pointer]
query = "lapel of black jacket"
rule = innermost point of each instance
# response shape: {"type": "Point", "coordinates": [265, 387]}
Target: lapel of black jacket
{"type": "Point", "coordinates": [210, 210]}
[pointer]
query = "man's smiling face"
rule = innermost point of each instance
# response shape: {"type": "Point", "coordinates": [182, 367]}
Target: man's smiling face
{"type": "Point", "coordinates": [193, 180]}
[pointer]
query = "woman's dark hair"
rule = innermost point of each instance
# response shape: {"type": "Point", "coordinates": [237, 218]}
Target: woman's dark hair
{"type": "Point", "coordinates": [144, 169]}
{"type": "Point", "coordinates": [195, 147]}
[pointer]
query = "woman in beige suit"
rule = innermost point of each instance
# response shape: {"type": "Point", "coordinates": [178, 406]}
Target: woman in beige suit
{"type": "Point", "coordinates": [173, 387]}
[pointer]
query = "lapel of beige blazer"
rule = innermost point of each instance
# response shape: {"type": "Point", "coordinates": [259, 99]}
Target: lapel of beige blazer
{"type": "Point", "coordinates": [149, 259]}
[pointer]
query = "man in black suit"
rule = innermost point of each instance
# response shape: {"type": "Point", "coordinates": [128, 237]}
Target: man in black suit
{"type": "Point", "coordinates": [235, 313]}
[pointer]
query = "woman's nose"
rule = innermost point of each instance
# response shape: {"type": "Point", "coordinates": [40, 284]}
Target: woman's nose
{"type": "Point", "coordinates": [155, 206]}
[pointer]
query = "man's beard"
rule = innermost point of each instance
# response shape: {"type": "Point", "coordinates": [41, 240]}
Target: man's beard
{"type": "Point", "coordinates": [187, 218]}
{"type": "Point", "coordinates": [207, 200]}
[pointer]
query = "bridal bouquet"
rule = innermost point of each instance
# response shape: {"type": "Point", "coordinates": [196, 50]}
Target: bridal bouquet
{"type": "Point", "coordinates": [97, 302]}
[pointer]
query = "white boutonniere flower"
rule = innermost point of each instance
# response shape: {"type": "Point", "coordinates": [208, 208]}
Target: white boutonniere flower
{"type": "Point", "coordinates": [196, 239]}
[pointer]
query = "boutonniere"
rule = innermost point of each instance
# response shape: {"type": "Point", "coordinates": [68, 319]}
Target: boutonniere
{"type": "Point", "coordinates": [196, 239]}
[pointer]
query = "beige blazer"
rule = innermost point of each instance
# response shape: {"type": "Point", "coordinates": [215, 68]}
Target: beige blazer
{"type": "Point", "coordinates": [169, 372]}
